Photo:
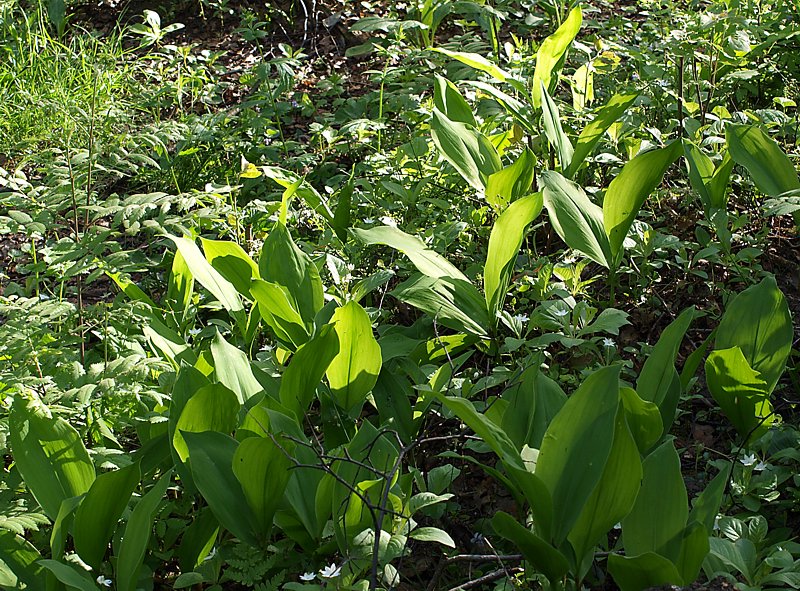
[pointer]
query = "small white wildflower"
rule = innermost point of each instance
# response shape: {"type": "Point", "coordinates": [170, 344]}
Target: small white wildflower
{"type": "Point", "coordinates": [388, 221]}
{"type": "Point", "coordinates": [748, 459]}
{"type": "Point", "coordinates": [211, 554]}
{"type": "Point", "coordinates": [331, 571]}
{"type": "Point", "coordinates": [369, 221]}
{"type": "Point", "coordinates": [522, 318]}
{"type": "Point", "coordinates": [618, 526]}
{"type": "Point", "coordinates": [478, 539]}
{"type": "Point", "coordinates": [195, 331]}
{"type": "Point", "coordinates": [43, 297]}
{"type": "Point", "coordinates": [101, 580]}
{"type": "Point", "coordinates": [308, 576]}
{"type": "Point", "coordinates": [609, 343]}
{"type": "Point", "coordinates": [761, 466]}
{"type": "Point", "coordinates": [560, 313]}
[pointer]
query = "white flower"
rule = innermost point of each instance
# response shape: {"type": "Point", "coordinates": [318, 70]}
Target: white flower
{"type": "Point", "coordinates": [308, 576]}
{"type": "Point", "coordinates": [560, 312]}
{"type": "Point", "coordinates": [330, 571]}
{"type": "Point", "coordinates": [211, 554]}
{"type": "Point", "coordinates": [101, 580]}
{"type": "Point", "coordinates": [761, 466]}
{"type": "Point", "coordinates": [195, 331]}
{"type": "Point", "coordinates": [748, 460]}
{"type": "Point", "coordinates": [521, 318]}
{"type": "Point", "coordinates": [618, 526]}
{"type": "Point", "coordinates": [609, 343]}
{"type": "Point", "coordinates": [43, 297]}
{"type": "Point", "coordinates": [478, 539]}
{"type": "Point", "coordinates": [716, 523]}
{"type": "Point", "coordinates": [369, 221]}
{"type": "Point", "coordinates": [388, 221]}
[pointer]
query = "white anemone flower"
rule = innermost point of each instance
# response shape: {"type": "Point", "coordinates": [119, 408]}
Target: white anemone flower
{"type": "Point", "coordinates": [308, 576]}
{"type": "Point", "coordinates": [330, 571]}
{"type": "Point", "coordinates": [748, 459]}
{"type": "Point", "coordinates": [101, 580]}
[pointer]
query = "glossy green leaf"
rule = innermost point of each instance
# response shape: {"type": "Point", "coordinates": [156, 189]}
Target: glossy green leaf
{"type": "Point", "coordinates": [466, 149]}
{"type": "Point", "coordinates": [740, 391]}
{"type": "Point", "coordinates": [523, 112]}
{"type": "Point", "coordinates": [212, 408]}
{"type": "Point", "coordinates": [211, 460]}
{"type": "Point", "coordinates": [533, 402]}
{"type": "Point", "coordinates": [137, 535]}
{"type": "Point", "coordinates": [645, 530]}
{"type": "Point", "coordinates": [180, 285]}
{"type": "Point", "coordinates": [512, 182]}
{"type": "Point", "coordinates": [646, 570]}
{"type": "Point", "coordinates": [613, 496]}
{"type": "Point", "coordinates": [98, 514]}
{"type": "Point", "coordinates": [232, 262]}
{"type": "Point", "coordinates": [643, 419]}
{"type": "Point", "coordinates": [759, 323]}
{"type": "Point", "coordinates": [167, 343]}
{"type": "Point", "coordinates": [454, 303]}
{"type": "Point", "coordinates": [708, 181]}
{"type": "Point", "coordinates": [262, 469]}
{"type": "Point", "coordinates": [19, 563]}
{"type": "Point", "coordinates": [659, 381]}
{"type": "Point", "coordinates": [62, 525]}
{"type": "Point", "coordinates": [591, 134]}
{"type": "Point", "coordinates": [706, 506]}
{"type": "Point", "coordinates": [49, 454]}
{"type": "Point", "coordinates": [504, 244]}
{"type": "Point", "coordinates": [575, 218]}
{"type": "Point", "coordinates": [476, 61]}
{"type": "Point", "coordinates": [287, 179]}
{"type": "Point", "coordinates": [627, 192]}
{"type": "Point", "coordinates": [553, 130]}
{"type": "Point", "coordinates": [69, 575]}
{"type": "Point", "coordinates": [576, 447]}
{"type": "Point", "coordinates": [232, 368]}
{"type": "Point", "coordinates": [694, 549]}
{"type": "Point", "coordinates": [427, 261]}
{"type": "Point", "coordinates": [537, 551]}
{"type": "Point", "coordinates": [432, 534]}
{"type": "Point", "coordinates": [354, 370]}
{"type": "Point", "coordinates": [449, 101]}
{"type": "Point", "coordinates": [208, 276]}
{"type": "Point", "coordinates": [769, 167]}
{"type": "Point", "coordinates": [284, 263]}
{"type": "Point", "coordinates": [278, 310]}
{"type": "Point", "coordinates": [552, 53]}
{"type": "Point", "coordinates": [306, 369]}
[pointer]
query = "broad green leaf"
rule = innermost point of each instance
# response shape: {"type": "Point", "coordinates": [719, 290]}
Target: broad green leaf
{"type": "Point", "coordinates": [576, 447]}
{"type": "Point", "coordinates": [211, 459]}
{"type": "Point", "coordinates": [694, 549]}
{"type": "Point", "coordinates": [613, 496]}
{"type": "Point", "coordinates": [180, 285]}
{"type": "Point", "coordinates": [740, 391]}
{"type": "Point", "coordinates": [451, 302]}
{"type": "Point", "coordinates": [306, 369]}
{"type": "Point", "coordinates": [771, 170]}
{"type": "Point", "coordinates": [167, 343]}
{"type": "Point", "coordinates": [207, 275]}
{"type": "Point", "coordinates": [432, 534]}
{"type": "Point", "coordinates": [643, 418]}
{"type": "Point", "coordinates": [449, 101]}
{"type": "Point", "coordinates": [553, 130]}
{"type": "Point", "coordinates": [49, 454]}
{"type": "Point", "coordinates": [645, 530]}
{"type": "Point", "coordinates": [504, 244]}
{"type": "Point", "coordinates": [592, 133]}
{"type": "Point", "coordinates": [532, 404]}
{"type": "Point", "coordinates": [278, 310]}
{"type": "Point", "coordinates": [741, 555]}
{"type": "Point", "coordinates": [706, 506]}
{"type": "Point", "coordinates": [521, 111]}
{"type": "Point", "coordinates": [512, 182]}
{"type": "Point", "coordinates": [137, 535]}
{"type": "Point", "coordinates": [284, 263]}
{"type": "Point", "coordinates": [354, 370]}
{"type": "Point", "coordinates": [575, 218]}
{"type": "Point", "coordinates": [130, 289]}
{"type": "Point", "coordinates": [198, 539]}
{"type": "Point", "coordinates": [659, 381]}
{"type": "Point", "coordinates": [552, 53]}
{"type": "Point", "coordinates": [287, 179]}
{"type": "Point", "coordinates": [537, 551]}
{"type": "Point", "coordinates": [100, 510]}
{"type": "Point", "coordinates": [626, 193]}
{"type": "Point", "coordinates": [708, 181]}
{"type": "Point", "coordinates": [646, 570]}
{"type": "Point", "coordinates": [759, 323]}
{"type": "Point", "coordinates": [232, 262]}
{"type": "Point", "coordinates": [476, 61]}
{"type": "Point", "coordinates": [427, 261]}
{"type": "Point", "coordinates": [69, 575]}
{"type": "Point", "coordinates": [466, 149]}
{"type": "Point", "coordinates": [62, 525]}
{"type": "Point", "coordinates": [212, 408]}
{"type": "Point", "coordinates": [262, 469]}
{"type": "Point", "coordinates": [232, 368]}
{"type": "Point", "coordinates": [19, 563]}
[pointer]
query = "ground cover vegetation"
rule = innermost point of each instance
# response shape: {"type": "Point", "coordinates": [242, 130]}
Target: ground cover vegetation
{"type": "Point", "coordinates": [314, 295]}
